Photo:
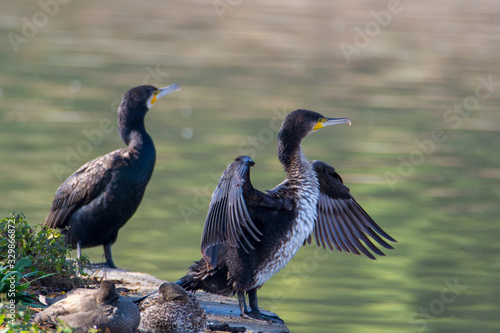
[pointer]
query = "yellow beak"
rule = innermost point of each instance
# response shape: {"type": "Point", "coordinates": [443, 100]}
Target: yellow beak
{"type": "Point", "coordinates": [323, 122]}
{"type": "Point", "coordinates": [162, 92]}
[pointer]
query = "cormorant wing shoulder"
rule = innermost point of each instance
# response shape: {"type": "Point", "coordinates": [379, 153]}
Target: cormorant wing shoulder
{"type": "Point", "coordinates": [228, 217]}
{"type": "Point", "coordinates": [341, 222]}
{"type": "Point", "coordinates": [81, 188]}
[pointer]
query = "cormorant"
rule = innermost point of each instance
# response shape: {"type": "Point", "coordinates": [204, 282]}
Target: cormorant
{"type": "Point", "coordinates": [171, 309]}
{"type": "Point", "coordinates": [101, 308]}
{"type": "Point", "coordinates": [99, 198]}
{"type": "Point", "coordinates": [250, 235]}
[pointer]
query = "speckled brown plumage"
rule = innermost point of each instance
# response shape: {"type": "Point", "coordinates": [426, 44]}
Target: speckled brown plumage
{"type": "Point", "coordinates": [100, 308]}
{"type": "Point", "coordinates": [171, 310]}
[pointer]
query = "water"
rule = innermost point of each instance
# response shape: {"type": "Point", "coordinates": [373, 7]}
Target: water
{"type": "Point", "coordinates": [421, 156]}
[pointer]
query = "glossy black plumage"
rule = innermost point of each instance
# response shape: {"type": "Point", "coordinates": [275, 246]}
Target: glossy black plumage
{"type": "Point", "coordinates": [342, 223]}
{"type": "Point", "coordinates": [101, 196]}
{"type": "Point", "coordinates": [250, 235]}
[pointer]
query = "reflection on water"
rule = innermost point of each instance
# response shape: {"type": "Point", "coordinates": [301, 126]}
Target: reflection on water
{"type": "Point", "coordinates": [419, 80]}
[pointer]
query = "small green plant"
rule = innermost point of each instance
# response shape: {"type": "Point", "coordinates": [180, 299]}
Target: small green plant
{"type": "Point", "coordinates": [15, 315]}
{"type": "Point", "coordinates": [45, 247]}
{"type": "Point", "coordinates": [14, 319]}
{"type": "Point", "coordinates": [14, 283]}
{"type": "Point", "coordinates": [18, 321]}
{"type": "Point", "coordinates": [29, 254]}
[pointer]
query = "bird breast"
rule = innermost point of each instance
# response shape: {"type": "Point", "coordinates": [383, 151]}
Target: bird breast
{"type": "Point", "coordinates": [303, 225]}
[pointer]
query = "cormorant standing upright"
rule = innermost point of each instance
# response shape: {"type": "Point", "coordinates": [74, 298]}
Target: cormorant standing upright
{"type": "Point", "coordinates": [99, 198]}
{"type": "Point", "coordinates": [250, 235]}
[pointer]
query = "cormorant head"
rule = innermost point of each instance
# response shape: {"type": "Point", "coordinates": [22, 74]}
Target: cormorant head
{"type": "Point", "coordinates": [301, 123]}
{"type": "Point", "coordinates": [136, 102]}
{"type": "Point", "coordinates": [297, 125]}
{"type": "Point", "coordinates": [143, 97]}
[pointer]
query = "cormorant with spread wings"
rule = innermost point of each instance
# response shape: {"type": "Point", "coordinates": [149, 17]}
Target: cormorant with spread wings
{"type": "Point", "coordinates": [250, 235]}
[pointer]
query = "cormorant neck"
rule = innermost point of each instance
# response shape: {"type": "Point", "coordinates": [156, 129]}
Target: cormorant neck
{"type": "Point", "coordinates": [137, 139]}
{"type": "Point", "coordinates": [131, 127]}
{"type": "Point", "coordinates": [290, 154]}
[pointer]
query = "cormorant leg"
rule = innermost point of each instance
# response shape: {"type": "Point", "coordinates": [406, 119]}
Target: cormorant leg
{"type": "Point", "coordinates": [78, 252]}
{"type": "Point", "coordinates": [108, 256]}
{"type": "Point", "coordinates": [255, 313]}
{"type": "Point", "coordinates": [243, 304]}
{"type": "Point", "coordinates": [79, 249]}
{"type": "Point", "coordinates": [252, 300]}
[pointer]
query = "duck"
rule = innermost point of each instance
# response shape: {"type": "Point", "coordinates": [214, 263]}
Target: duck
{"type": "Point", "coordinates": [171, 310]}
{"type": "Point", "coordinates": [84, 309]}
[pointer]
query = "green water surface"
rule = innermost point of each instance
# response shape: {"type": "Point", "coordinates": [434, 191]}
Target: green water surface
{"type": "Point", "coordinates": [422, 89]}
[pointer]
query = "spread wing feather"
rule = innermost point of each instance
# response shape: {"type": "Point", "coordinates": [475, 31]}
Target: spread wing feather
{"type": "Point", "coordinates": [228, 221]}
{"type": "Point", "coordinates": [342, 223]}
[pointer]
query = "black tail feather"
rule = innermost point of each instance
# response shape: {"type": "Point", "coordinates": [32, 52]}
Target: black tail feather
{"type": "Point", "coordinates": [201, 277]}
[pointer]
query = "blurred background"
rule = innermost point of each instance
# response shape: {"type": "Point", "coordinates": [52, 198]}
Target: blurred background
{"type": "Point", "coordinates": [420, 81]}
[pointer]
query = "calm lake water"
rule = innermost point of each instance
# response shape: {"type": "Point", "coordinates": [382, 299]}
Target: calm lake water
{"type": "Point", "coordinates": [420, 81]}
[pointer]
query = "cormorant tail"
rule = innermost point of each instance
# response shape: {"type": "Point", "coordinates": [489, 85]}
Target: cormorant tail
{"type": "Point", "coordinates": [201, 277]}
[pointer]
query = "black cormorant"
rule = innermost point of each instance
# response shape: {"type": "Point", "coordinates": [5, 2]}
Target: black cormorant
{"type": "Point", "coordinates": [250, 235]}
{"type": "Point", "coordinates": [171, 309]}
{"type": "Point", "coordinates": [99, 198]}
{"type": "Point", "coordinates": [101, 308]}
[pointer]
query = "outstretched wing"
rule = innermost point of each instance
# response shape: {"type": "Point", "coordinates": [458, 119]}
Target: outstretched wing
{"type": "Point", "coordinates": [228, 219]}
{"type": "Point", "coordinates": [342, 223]}
{"type": "Point", "coordinates": [79, 189]}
